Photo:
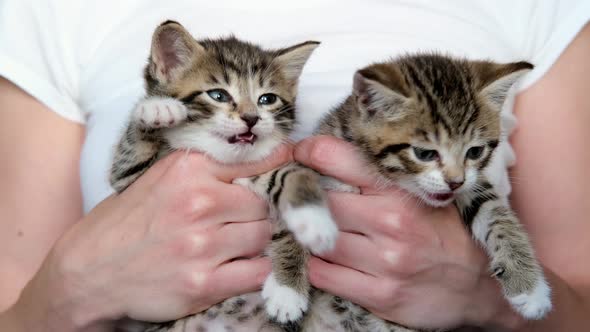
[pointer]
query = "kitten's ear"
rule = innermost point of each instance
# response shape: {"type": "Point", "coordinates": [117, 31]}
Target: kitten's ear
{"type": "Point", "coordinates": [495, 80]}
{"type": "Point", "coordinates": [379, 88]}
{"type": "Point", "coordinates": [173, 49]}
{"type": "Point", "coordinates": [292, 59]}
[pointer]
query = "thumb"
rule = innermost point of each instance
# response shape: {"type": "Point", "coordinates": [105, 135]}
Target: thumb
{"type": "Point", "coordinates": [227, 172]}
{"type": "Point", "coordinates": [336, 158]}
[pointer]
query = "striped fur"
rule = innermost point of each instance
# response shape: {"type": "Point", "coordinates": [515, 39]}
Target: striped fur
{"type": "Point", "coordinates": [447, 110]}
{"type": "Point", "coordinates": [207, 95]}
{"type": "Point", "coordinates": [428, 102]}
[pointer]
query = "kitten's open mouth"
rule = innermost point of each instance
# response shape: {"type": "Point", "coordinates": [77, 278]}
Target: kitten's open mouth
{"type": "Point", "coordinates": [441, 197]}
{"type": "Point", "coordinates": [244, 138]}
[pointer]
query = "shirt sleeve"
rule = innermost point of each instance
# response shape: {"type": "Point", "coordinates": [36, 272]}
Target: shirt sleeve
{"type": "Point", "coordinates": [553, 25]}
{"type": "Point", "coordinates": [37, 53]}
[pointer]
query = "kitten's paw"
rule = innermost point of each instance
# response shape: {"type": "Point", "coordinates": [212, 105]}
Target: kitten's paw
{"type": "Point", "coordinates": [534, 305]}
{"type": "Point", "coordinates": [283, 303]}
{"type": "Point", "coordinates": [156, 112]}
{"type": "Point", "coordinates": [313, 227]}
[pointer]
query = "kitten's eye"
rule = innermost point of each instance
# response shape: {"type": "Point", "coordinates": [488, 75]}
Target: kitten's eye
{"type": "Point", "coordinates": [219, 95]}
{"type": "Point", "coordinates": [425, 155]}
{"type": "Point", "coordinates": [267, 99]}
{"type": "Point", "coordinates": [474, 152]}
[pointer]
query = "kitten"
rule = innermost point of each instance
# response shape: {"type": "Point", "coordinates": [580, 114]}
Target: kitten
{"type": "Point", "coordinates": [234, 101]}
{"type": "Point", "coordinates": [430, 124]}
{"type": "Point", "coordinates": [427, 123]}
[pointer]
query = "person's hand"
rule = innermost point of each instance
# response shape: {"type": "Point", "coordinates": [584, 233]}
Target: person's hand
{"type": "Point", "coordinates": [401, 260]}
{"type": "Point", "coordinates": [166, 247]}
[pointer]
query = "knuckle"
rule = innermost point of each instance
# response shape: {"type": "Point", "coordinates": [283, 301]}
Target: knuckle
{"type": "Point", "coordinates": [193, 245]}
{"type": "Point", "coordinates": [390, 221]}
{"type": "Point", "coordinates": [399, 260]}
{"type": "Point", "coordinates": [202, 202]}
{"type": "Point", "coordinates": [195, 283]}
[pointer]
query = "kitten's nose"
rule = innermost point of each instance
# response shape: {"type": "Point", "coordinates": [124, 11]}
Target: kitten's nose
{"type": "Point", "coordinates": [455, 184]}
{"type": "Point", "coordinates": [250, 119]}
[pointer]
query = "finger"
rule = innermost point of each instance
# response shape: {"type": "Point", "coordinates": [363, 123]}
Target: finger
{"type": "Point", "coordinates": [334, 157]}
{"type": "Point", "coordinates": [355, 213]}
{"type": "Point", "coordinates": [227, 172]}
{"type": "Point", "coordinates": [342, 281]}
{"type": "Point", "coordinates": [238, 204]}
{"type": "Point", "coordinates": [390, 215]}
{"type": "Point", "coordinates": [240, 277]}
{"type": "Point", "coordinates": [357, 252]}
{"type": "Point", "coordinates": [151, 176]}
{"type": "Point", "coordinates": [243, 240]}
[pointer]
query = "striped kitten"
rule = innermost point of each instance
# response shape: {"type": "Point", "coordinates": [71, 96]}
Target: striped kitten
{"type": "Point", "coordinates": [235, 102]}
{"type": "Point", "coordinates": [430, 124]}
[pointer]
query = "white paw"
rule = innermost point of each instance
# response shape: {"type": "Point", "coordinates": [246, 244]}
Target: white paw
{"type": "Point", "coordinates": [313, 227]}
{"type": "Point", "coordinates": [534, 305]}
{"type": "Point", "coordinates": [158, 112]}
{"type": "Point", "coordinates": [283, 303]}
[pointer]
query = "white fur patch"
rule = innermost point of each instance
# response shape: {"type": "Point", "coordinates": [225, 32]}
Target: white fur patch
{"type": "Point", "coordinates": [313, 227]}
{"type": "Point", "coordinates": [157, 112]}
{"type": "Point", "coordinates": [534, 305]}
{"type": "Point", "coordinates": [283, 303]}
{"type": "Point", "coordinates": [201, 138]}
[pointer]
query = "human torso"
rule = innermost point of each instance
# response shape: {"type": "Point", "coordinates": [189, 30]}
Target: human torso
{"type": "Point", "coordinates": [114, 45]}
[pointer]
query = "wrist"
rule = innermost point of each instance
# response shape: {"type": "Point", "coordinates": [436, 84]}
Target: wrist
{"type": "Point", "coordinates": [490, 309]}
{"type": "Point", "coordinates": [9, 321]}
{"type": "Point", "coordinates": [50, 303]}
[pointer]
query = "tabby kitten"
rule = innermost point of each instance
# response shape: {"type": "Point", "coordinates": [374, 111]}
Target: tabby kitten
{"type": "Point", "coordinates": [430, 124]}
{"type": "Point", "coordinates": [235, 102]}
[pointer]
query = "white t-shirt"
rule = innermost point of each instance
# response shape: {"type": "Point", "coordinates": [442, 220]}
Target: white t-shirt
{"type": "Point", "coordinates": [83, 59]}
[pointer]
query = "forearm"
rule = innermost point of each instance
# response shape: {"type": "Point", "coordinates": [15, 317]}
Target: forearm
{"type": "Point", "coordinates": [40, 310]}
{"type": "Point", "coordinates": [9, 321]}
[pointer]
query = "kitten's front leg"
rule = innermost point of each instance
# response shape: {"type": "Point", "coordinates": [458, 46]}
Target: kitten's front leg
{"type": "Point", "coordinates": [296, 197]}
{"type": "Point", "coordinates": [513, 261]}
{"type": "Point", "coordinates": [159, 112]}
{"type": "Point", "coordinates": [303, 222]}
{"type": "Point", "coordinates": [141, 143]}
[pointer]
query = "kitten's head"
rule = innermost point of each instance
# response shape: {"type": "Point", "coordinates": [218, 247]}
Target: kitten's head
{"type": "Point", "coordinates": [432, 123]}
{"type": "Point", "coordinates": [240, 97]}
